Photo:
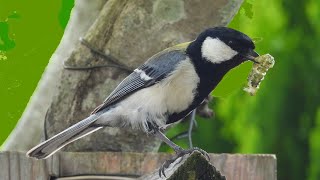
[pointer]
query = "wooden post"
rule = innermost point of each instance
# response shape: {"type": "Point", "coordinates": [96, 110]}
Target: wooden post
{"type": "Point", "coordinates": [120, 165]}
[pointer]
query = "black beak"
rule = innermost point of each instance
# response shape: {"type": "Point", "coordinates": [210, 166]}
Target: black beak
{"type": "Point", "coordinates": [252, 55]}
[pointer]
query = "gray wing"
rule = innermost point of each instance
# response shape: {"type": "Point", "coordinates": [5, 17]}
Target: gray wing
{"type": "Point", "coordinates": [150, 73]}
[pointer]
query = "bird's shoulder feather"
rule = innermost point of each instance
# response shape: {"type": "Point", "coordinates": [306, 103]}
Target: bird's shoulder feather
{"type": "Point", "coordinates": [151, 72]}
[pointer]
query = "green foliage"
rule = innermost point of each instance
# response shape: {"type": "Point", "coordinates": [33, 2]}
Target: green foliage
{"type": "Point", "coordinates": [282, 118]}
{"type": "Point", "coordinates": [64, 13]}
{"type": "Point", "coordinates": [314, 172]}
{"type": "Point", "coordinates": [30, 31]}
{"type": "Point", "coordinates": [234, 80]}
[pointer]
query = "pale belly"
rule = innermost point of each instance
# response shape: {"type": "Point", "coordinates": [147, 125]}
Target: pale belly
{"type": "Point", "coordinates": [172, 95]}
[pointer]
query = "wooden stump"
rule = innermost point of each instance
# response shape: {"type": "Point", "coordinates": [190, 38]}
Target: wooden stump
{"type": "Point", "coordinates": [189, 167]}
{"type": "Point", "coordinates": [16, 166]}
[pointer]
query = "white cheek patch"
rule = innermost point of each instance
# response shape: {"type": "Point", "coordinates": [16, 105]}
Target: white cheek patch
{"type": "Point", "coordinates": [143, 75]}
{"type": "Point", "coordinates": [216, 51]}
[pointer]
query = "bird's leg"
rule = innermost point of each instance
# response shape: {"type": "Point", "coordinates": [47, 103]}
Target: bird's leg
{"type": "Point", "coordinates": [158, 133]}
{"type": "Point", "coordinates": [188, 134]}
{"type": "Point", "coordinates": [179, 151]}
{"type": "Point", "coordinates": [203, 111]}
{"type": "Point", "coordinates": [192, 122]}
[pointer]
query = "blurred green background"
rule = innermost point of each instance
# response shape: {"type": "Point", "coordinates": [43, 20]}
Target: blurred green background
{"type": "Point", "coordinates": [282, 119]}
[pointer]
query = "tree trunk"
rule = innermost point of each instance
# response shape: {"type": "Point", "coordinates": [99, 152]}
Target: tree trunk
{"type": "Point", "coordinates": [130, 31]}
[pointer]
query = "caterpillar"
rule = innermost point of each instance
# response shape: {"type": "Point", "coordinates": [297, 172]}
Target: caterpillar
{"type": "Point", "coordinates": [259, 69]}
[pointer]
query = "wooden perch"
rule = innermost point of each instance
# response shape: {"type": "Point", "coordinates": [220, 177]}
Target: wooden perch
{"type": "Point", "coordinates": [194, 166]}
{"type": "Point", "coordinates": [16, 166]}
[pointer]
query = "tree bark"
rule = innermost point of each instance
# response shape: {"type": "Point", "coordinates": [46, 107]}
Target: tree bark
{"type": "Point", "coordinates": [29, 128]}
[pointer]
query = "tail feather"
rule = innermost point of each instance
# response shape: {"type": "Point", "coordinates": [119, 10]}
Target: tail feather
{"type": "Point", "coordinates": [55, 143]}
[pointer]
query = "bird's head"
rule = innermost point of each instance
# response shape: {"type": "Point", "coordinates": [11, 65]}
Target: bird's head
{"type": "Point", "coordinates": [221, 44]}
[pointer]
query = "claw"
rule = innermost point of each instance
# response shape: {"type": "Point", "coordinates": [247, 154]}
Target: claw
{"type": "Point", "coordinates": [204, 153]}
{"type": "Point", "coordinates": [164, 174]}
{"type": "Point", "coordinates": [164, 166]}
{"type": "Point", "coordinates": [161, 171]}
{"type": "Point", "coordinates": [180, 160]}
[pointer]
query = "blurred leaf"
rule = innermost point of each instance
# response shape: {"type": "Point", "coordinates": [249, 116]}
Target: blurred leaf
{"type": "Point", "coordinates": [257, 39]}
{"type": "Point", "coordinates": [14, 15]}
{"type": "Point", "coordinates": [234, 80]}
{"type": "Point", "coordinates": [314, 170]}
{"type": "Point", "coordinates": [6, 43]}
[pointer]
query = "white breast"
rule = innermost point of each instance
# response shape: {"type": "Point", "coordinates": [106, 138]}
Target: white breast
{"type": "Point", "coordinates": [172, 95]}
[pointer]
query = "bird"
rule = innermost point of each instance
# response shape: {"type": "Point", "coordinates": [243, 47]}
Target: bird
{"type": "Point", "coordinates": [163, 90]}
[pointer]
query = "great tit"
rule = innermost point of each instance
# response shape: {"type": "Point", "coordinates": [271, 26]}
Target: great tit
{"type": "Point", "coordinates": [163, 90]}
